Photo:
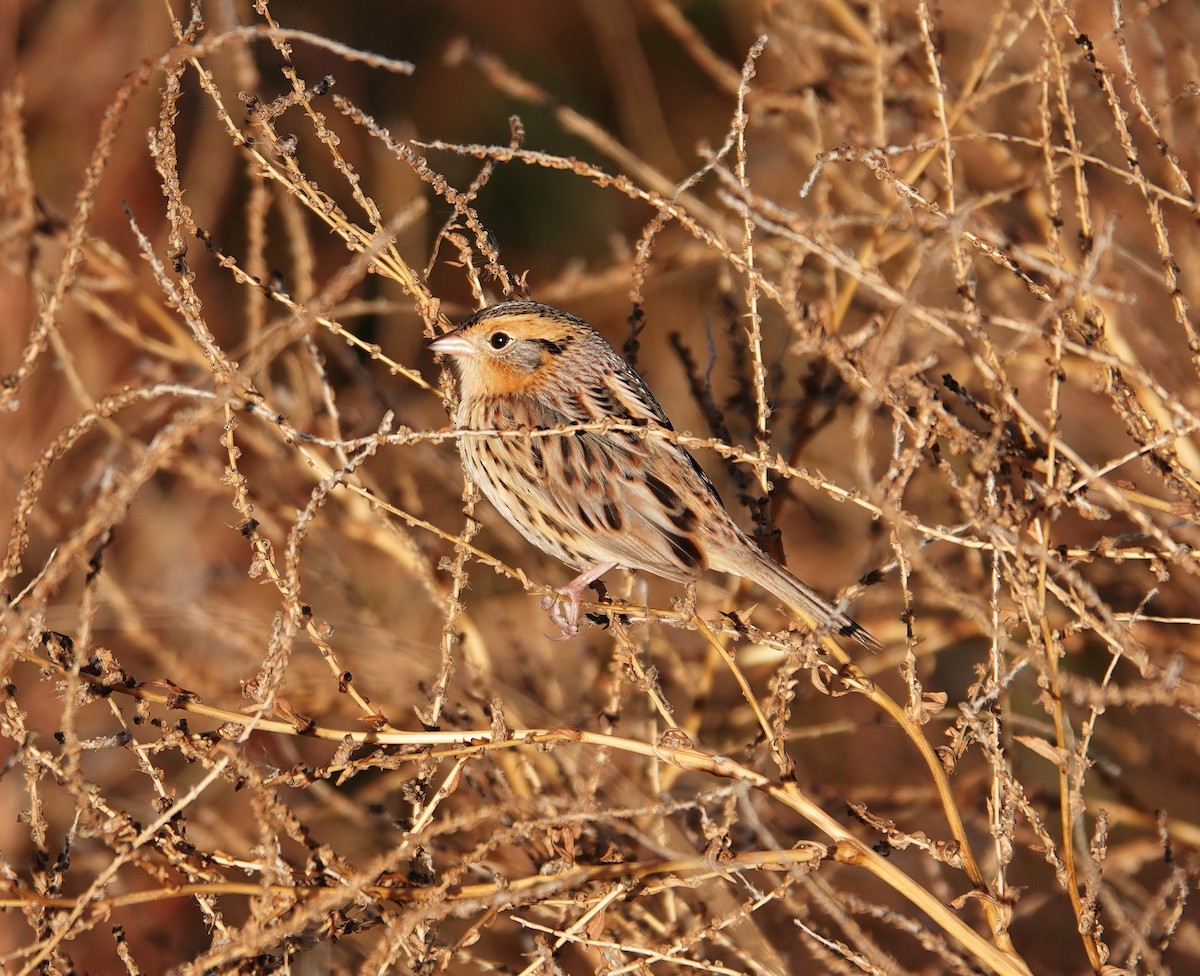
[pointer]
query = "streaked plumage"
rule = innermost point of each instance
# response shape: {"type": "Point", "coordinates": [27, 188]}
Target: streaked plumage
{"type": "Point", "coordinates": [596, 499]}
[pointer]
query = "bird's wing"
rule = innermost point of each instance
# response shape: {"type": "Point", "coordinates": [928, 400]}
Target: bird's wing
{"type": "Point", "coordinates": [643, 500]}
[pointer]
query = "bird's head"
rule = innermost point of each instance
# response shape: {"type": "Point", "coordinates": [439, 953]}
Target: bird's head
{"type": "Point", "coordinates": [513, 347]}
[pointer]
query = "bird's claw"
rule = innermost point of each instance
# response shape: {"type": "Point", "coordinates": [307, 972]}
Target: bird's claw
{"type": "Point", "coordinates": [565, 602]}
{"type": "Point", "coordinates": [564, 611]}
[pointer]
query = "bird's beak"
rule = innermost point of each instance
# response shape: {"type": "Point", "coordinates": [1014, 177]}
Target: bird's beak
{"type": "Point", "coordinates": [453, 344]}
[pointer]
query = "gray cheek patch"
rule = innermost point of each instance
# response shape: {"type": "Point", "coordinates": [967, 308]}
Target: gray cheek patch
{"type": "Point", "coordinates": [525, 355]}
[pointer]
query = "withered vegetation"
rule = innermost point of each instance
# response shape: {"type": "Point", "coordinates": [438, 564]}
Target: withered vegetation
{"type": "Point", "coordinates": [917, 284]}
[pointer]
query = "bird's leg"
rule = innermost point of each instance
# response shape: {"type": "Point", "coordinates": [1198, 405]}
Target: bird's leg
{"type": "Point", "coordinates": [567, 617]}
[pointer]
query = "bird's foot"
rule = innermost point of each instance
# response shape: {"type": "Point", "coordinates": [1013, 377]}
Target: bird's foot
{"type": "Point", "coordinates": [564, 607]}
{"type": "Point", "coordinates": [564, 611]}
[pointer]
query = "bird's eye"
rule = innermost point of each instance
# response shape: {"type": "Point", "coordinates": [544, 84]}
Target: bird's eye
{"type": "Point", "coordinates": [500, 340]}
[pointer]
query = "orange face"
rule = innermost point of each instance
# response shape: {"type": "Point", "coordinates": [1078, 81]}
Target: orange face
{"type": "Point", "coordinates": [498, 351]}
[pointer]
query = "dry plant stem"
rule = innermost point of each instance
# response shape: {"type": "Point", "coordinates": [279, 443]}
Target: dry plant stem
{"type": "Point", "coordinates": [454, 607]}
{"type": "Point", "coordinates": [463, 211]}
{"type": "Point", "coordinates": [462, 746]}
{"type": "Point", "coordinates": [101, 414]}
{"type": "Point", "coordinates": [645, 682]}
{"type": "Point", "coordinates": [1051, 652]}
{"type": "Point", "coordinates": [762, 413]}
{"type": "Point", "coordinates": [79, 905]}
{"type": "Point", "coordinates": [645, 956]}
{"type": "Point", "coordinates": [778, 752]}
{"type": "Point", "coordinates": [616, 892]}
{"type": "Point", "coordinates": [856, 680]}
{"type": "Point", "coordinates": [1067, 795]}
{"type": "Point", "coordinates": [805, 854]}
{"type": "Point", "coordinates": [723, 75]}
{"type": "Point", "coordinates": [848, 16]}
{"type": "Point", "coordinates": [1001, 838]}
{"type": "Point", "coordinates": [702, 687]}
{"type": "Point", "coordinates": [51, 307]}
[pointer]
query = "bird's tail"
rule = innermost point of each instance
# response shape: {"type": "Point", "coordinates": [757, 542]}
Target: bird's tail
{"type": "Point", "coordinates": [753, 564]}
